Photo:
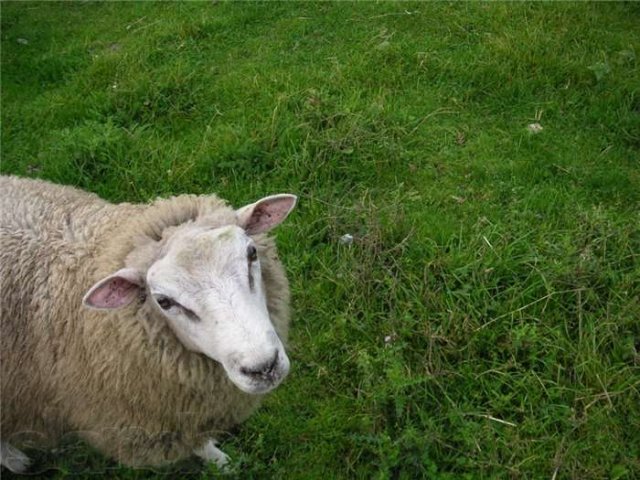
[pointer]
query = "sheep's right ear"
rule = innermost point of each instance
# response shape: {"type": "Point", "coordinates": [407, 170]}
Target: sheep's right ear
{"type": "Point", "coordinates": [115, 291]}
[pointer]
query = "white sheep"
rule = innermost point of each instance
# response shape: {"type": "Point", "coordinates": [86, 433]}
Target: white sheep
{"type": "Point", "coordinates": [177, 340]}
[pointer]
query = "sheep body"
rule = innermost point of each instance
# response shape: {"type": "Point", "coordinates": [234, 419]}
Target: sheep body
{"type": "Point", "coordinates": [121, 380]}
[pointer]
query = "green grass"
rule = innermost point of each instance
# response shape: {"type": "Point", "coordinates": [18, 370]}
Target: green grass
{"type": "Point", "coordinates": [485, 322]}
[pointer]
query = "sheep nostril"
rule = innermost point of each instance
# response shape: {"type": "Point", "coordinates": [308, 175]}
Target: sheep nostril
{"type": "Point", "coordinates": [274, 362]}
{"type": "Point", "coordinates": [263, 370]}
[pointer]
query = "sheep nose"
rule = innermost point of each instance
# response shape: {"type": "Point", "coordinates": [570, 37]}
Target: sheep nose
{"type": "Point", "coordinates": [263, 370]}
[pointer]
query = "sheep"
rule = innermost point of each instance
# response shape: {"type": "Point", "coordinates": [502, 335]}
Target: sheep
{"type": "Point", "coordinates": [146, 329]}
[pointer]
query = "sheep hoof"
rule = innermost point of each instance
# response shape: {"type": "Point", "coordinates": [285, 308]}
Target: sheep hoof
{"type": "Point", "coordinates": [210, 453]}
{"type": "Point", "coordinates": [13, 459]}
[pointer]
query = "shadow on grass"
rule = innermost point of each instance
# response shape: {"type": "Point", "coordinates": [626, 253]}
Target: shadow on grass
{"type": "Point", "coordinates": [81, 461]}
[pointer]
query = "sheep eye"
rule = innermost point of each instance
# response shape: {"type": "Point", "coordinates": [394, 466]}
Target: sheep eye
{"type": "Point", "coordinates": [252, 253]}
{"type": "Point", "coordinates": [165, 303]}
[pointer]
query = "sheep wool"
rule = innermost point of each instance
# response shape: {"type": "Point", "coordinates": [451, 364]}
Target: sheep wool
{"type": "Point", "coordinates": [120, 379]}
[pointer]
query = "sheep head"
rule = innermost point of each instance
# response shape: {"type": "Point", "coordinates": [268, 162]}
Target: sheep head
{"type": "Point", "coordinates": [207, 283]}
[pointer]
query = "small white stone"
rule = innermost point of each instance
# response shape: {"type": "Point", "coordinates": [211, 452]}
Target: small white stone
{"type": "Point", "coordinates": [22, 41]}
{"type": "Point", "coordinates": [535, 127]}
{"type": "Point", "coordinates": [346, 239]}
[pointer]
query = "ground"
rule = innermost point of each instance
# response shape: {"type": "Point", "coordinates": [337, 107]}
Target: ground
{"type": "Point", "coordinates": [483, 320]}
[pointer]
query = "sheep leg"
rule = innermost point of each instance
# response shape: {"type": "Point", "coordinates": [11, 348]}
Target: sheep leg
{"type": "Point", "coordinates": [13, 459]}
{"type": "Point", "coordinates": [210, 453]}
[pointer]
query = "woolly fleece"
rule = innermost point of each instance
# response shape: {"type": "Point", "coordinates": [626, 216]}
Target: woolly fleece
{"type": "Point", "coordinates": [119, 379]}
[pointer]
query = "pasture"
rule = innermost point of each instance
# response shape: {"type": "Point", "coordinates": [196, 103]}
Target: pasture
{"type": "Point", "coordinates": [484, 319]}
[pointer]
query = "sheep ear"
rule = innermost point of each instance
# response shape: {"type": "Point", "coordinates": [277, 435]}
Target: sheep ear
{"type": "Point", "coordinates": [115, 291]}
{"type": "Point", "coordinates": [266, 213]}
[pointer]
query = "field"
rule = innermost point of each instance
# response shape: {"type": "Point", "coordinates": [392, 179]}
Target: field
{"type": "Point", "coordinates": [485, 320]}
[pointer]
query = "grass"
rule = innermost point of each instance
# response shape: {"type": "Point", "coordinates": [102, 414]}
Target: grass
{"type": "Point", "coordinates": [484, 323]}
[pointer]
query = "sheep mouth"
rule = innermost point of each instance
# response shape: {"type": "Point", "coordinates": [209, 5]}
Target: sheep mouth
{"type": "Point", "coordinates": [263, 380]}
{"type": "Point", "coordinates": [259, 388]}
{"type": "Point", "coordinates": [262, 384]}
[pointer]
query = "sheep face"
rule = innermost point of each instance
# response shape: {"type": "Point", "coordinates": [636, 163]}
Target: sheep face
{"type": "Point", "coordinates": [208, 285]}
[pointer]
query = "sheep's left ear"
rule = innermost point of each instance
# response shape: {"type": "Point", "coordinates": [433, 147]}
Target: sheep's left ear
{"type": "Point", "coordinates": [266, 213]}
{"type": "Point", "coordinates": [115, 291]}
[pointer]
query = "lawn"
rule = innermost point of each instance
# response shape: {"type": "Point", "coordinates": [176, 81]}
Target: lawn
{"type": "Point", "coordinates": [485, 320]}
